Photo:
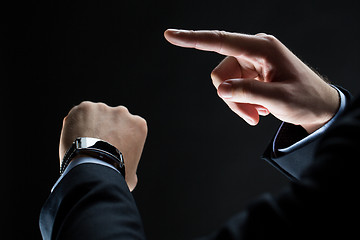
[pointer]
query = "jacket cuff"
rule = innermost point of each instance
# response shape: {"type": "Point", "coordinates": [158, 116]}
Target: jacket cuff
{"type": "Point", "coordinates": [290, 137]}
{"type": "Point", "coordinates": [291, 150]}
{"type": "Point", "coordinates": [82, 160]}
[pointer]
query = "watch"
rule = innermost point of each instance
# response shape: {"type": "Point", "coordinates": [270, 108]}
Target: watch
{"type": "Point", "coordinates": [97, 148]}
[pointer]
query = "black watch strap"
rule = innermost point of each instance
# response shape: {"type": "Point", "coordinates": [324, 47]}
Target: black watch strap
{"type": "Point", "coordinates": [96, 148]}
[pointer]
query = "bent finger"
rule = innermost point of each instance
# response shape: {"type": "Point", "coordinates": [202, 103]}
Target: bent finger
{"type": "Point", "coordinates": [246, 111]}
{"type": "Point", "coordinates": [266, 94]}
{"type": "Point", "coordinates": [229, 68]}
{"type": "Point", "coordinates": [262, 111]}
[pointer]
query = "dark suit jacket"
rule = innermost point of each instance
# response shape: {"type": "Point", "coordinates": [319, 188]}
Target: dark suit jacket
{"type": "Point", "coordinates": [93, 201]}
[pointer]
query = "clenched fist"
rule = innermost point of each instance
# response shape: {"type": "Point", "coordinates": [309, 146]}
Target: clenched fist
{"type": "Point", "coordinates": [114, 125]}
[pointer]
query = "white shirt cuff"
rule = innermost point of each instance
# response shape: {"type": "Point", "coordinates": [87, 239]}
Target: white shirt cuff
{"type": "Point", "coordinates": [82, 160]}
{"type": "Point", "coordinates": [318, 132]}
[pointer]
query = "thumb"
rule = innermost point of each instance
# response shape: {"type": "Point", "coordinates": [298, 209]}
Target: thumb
{"type": "Point", "coordinates": [251, 91]}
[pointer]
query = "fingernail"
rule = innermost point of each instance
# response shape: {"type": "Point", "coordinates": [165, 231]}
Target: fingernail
{"type": "Point", "coordinates": [176, 37]}
{"type": "Point", "coordinates": [173, 30]}
{"type": "Point", "coordinates": [250, 121]}
{"type": "Point", "coordinates": [225, 90]}
{"type": "Point", "coordinates": [177, 30]}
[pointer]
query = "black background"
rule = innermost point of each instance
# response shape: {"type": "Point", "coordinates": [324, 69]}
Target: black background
{"type": "Point", "coordinates": [201, 163]}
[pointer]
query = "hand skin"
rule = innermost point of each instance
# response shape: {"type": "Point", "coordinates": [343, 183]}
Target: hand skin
{"type": "Point", "coordinates": [115, 125]}
{"type": "Point", "coordinates": [259, 75]}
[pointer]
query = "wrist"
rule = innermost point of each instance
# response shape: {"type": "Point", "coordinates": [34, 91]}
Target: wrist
{"type": "Point", "coordinates": [96, 148]}
{"type": "Point", "coordinates": [332, 103]}
{"type": "Point", "coordinates": [310, 128]}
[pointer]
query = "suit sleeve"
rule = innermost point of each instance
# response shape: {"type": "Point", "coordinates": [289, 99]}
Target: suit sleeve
{"type": "Point", "coordinates": [321, 204]}
{"type": "Point", "coordinates": [91, 202]}
{"type": "Point", "coordinates": [292, 163]}
{"type": "Point", "coordinates": [300, 155]}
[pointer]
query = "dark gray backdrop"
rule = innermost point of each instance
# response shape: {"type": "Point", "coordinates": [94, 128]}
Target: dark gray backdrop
{"type": "Point", "coordinates": [201, 163]}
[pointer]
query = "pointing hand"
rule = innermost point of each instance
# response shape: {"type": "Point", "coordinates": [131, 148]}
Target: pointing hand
{"type": "Point", "coordinates": [259, 75]}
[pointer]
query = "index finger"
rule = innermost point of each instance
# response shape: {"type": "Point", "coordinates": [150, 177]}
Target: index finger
{"type": "Point", "coordinates": [225, 43]}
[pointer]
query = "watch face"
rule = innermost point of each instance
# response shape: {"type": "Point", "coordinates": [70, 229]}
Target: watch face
{"type": "Point", "coordinates": [95, 143]}
{"type": "Point", "coordinates": [86, 142]}
{"type": "Point", "coordinates": [102, 150]}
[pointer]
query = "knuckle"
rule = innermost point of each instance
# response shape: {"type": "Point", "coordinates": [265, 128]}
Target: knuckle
{"type": "Point", "coordinates": [78, 109]}
{"type": "Point", "coordinates": [101, 106]}
{"type": "Point", "coordinates": [65, 120]}
{"type": "Point", "coordinates": [221, 37]}
{"type": "Point", "coordinates": [271, 44]}
{"type": "Point", "coordinates": [215, 76]}
{"type": "Point", "coordinates": [122, 110]}
{"type": "Point", "coordinates": [85, 105]}
{"type": "Point", "coordinates": [271, 39]}
{"type": "Point", "coordinates": [260, 34]}
{"type": "Point", "coordinates": [268, 39]}
{"type": "Point", "coordinates": [215, 73]}
{"type": "Point", "coordinates": [219, 34]}
{"type": "Point", "coordinates": [141, 123]}
{"type": "Point", "coordinates": [88, 106]}
{"type": "Point", "coordinates": [245, 90]}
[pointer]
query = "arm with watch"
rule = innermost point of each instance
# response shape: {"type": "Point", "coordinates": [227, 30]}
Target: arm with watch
{"type": "Point", "coordinates": [92, 198]}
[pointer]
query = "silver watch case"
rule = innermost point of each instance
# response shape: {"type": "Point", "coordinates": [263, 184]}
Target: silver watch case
{"type": "Point", "coordinates": [94, 147]}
